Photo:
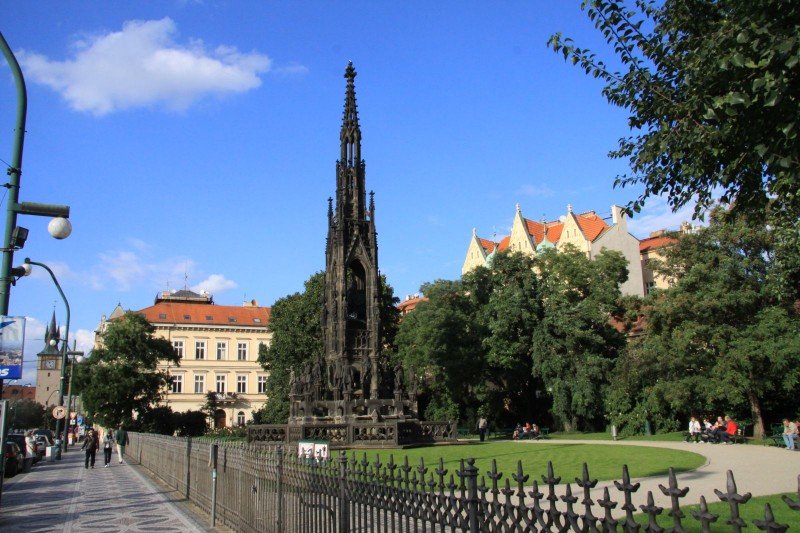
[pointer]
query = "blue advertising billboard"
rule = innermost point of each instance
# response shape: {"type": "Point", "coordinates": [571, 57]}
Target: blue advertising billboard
{"type": "Point", "coordinates": [12, 339]}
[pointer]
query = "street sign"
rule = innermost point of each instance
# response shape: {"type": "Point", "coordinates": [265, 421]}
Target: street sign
{"type": "Point", "coordinates": [59, 412]}
{"type": "Point", "coordinates": [12, 340]}
{"type": "Point", "coordinates": [80, 420]}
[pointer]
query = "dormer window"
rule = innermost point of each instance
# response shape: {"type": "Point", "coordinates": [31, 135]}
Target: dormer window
{"type": "Point", "coordinates": [232, 319]}
{"type": "Point", "coordinates": [187, 317]}
{"type": "Point", "coordinates": [162, 316]}
{"type": "Point", "coordinates": [257, 320]}
{"type": "Point", "coordinates": [209, 317]}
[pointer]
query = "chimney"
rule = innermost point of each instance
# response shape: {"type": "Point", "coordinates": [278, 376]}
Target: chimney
{"type": "Point", "coordinates": [658, 233]}
{"type": "Point", "coordinates": [618, 217]}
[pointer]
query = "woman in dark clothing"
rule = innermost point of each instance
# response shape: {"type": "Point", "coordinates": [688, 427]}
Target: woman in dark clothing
{"type": "Point", "coordinates": [90, 445]}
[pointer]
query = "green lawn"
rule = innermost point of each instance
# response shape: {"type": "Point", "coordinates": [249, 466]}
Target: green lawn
{"type": "Point", "coordinates": [605, 462]}
{"type": "Point", "coordinates": [752, 510]}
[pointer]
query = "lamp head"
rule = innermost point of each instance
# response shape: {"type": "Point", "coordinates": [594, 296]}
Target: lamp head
{"type": "Point", "coordinates": [52, 342]}
{"type": "Point", "coordinates": [59, 228]}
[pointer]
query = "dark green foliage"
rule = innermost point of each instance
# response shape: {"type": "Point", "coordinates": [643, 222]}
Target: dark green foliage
{"type": "Point", "coordinates": [191, 423]}
{"type": "Point", "coordinates": [720, 341]}
{"type": "Point", "coordinates": [26, 414]}
{"type": "Point", "coordinates": [295, 323]}
{"type": "Point", "coordinates": [160, 420]}
{"type": "Point", "coordinates": [575, 346]}
{"type": "Point", "coordinates": [121, 380]}
{"type": "Point", "coordinates": [713, 92]}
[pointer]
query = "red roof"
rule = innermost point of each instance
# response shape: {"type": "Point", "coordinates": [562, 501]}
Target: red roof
{"type": "Point", "coordinates": [487, 245]}
{"type": "Point", "coordinates": [653, 243]}
{"type": "Point", "coordinates": [536, 230]}
{"type": "Point", "coordinates": [591, 225]}
{"type": "Point", "coordinates": [408, 305]}
{"type": "Point", "coordinates": [504, 243]}
{"type": "Point", "coordinates": [197, 313]}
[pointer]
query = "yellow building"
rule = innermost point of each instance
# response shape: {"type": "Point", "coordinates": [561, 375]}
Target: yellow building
{"type": "Point", "coordinates": [218, 346]}
{"type": "Point", "coordinates": [587, 232]}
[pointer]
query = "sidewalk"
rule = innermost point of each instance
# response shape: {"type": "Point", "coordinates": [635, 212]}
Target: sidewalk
{"type": "Point", "coordinates": [63, 496]}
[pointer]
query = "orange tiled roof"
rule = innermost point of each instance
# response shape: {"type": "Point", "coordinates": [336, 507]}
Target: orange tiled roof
{"type": "Point", "coordinates": [591, 225]}
{"type": "Point", "coordinates": [536, 230]}
{"type": "Point", "coordinates": [406, 306]}
{"type": "Point", "coordinates": [194, 313]}
{"type": "Point", "coordinates": [504, 243]}
{"type": "Point", "coordinates": [653, 243]}
{"type": "Point", "coordinates": [487, 245]}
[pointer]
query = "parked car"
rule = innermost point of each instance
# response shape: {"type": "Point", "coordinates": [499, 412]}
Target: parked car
{"type": "Point", "coordinates": [19, 438]}
{"type": "Point", "coordinates": [46, 432]}
{"type": "Point", "coordinates": [42, 443]}
{"type": "Point", "coordinates": [15, 459]}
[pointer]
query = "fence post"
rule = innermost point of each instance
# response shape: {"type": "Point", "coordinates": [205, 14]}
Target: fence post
{"type": "Point", "coordinates": [471, 477]}
{"type": "Point", "coordinates": [279, 488]}
{"type": "Point", "coordinates": [344, 508]}
{"type": "Point", "coordinates": [212, 462]}
{"type": "Point", "coordinates": [188, 464]}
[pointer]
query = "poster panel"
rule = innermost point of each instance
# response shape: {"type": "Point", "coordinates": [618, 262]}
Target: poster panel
{"type": "Point", "coordinates": [12, 340]}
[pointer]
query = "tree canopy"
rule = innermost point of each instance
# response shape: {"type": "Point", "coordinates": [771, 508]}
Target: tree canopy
{"type": "Point", "coordinates": [713, 92]}
{"type": "Point", "coordinates": [121, 379]}
{"type": "Point", "coordinates": [719, 340]}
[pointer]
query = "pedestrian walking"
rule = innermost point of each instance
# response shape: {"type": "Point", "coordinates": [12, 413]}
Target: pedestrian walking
{"type": "Point", "coordinates": [108, 442]}
{"type": "Point", "coordinates": [30, 449]}
{"type": "Point", "coordinates": [483, 424]}
{"type": "Point", "coordinates": [90, 445]}
{"type": "Point", "coordinates": [121, 438]}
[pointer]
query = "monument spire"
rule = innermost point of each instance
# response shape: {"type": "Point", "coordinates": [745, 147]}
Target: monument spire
{"type": "Point", "coordinates": [350, 136]}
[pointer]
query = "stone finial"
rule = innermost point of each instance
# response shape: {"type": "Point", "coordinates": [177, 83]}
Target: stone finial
{"type": "Point", "coordinates": [569, 208]}
{"type": "Point", "coordinates": [474, 232]}
{"type": "Point", "coordinates": [518, 207]}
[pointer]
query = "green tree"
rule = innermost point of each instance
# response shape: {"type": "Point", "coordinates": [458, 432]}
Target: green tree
{"type": "Point", "coordinates": [440, 342]}
{"type": "Point", "coordinates": [471, 340]}
{"type": "Point", "coordinates": [121, 380]}
{"type": "Point", "coordinates": [575, 345]}
{"type": "Point", "coordinates": [296, 327]}
{"type": "Point", "coordinates": [720, 340]}
{"type": "Point", "coordinates": [713, 92]}
{"type": "Point", "coordinates": [26, 413]}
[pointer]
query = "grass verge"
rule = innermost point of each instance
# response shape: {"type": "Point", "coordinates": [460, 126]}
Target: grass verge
{"type": "Point", "coordinates": [605, 462]}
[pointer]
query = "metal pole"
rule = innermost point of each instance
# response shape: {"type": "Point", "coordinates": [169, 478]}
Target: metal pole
{"type": "Point", "coordinates": [279, 489]}
{"type": "Point", "coordinates": [14, 173]}
{"type": "Point", "coordinates": [213, 461]}
{"type": "Point", "coordinates": [63, 353]}
{"type": "Point", "coordinates": [69, 391]}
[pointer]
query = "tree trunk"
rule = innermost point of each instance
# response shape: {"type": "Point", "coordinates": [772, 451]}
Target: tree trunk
{"type": "Point", "coordinates": [758, 419]}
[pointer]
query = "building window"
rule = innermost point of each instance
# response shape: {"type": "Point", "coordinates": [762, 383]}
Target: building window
{"type": "Point", "coordinates": [650, 286]}
{"type": "Point", "coordinates": [242, 351]}
{"type": "Point", "coordinates": [200, 349]}
{"type": "Point", "coordinates": [178, 347]}
{"type": "Point", "coordinates": [199, 384]}
{"type": "Point", "coordinates": [240, 418]}
{"type": "Point", "coordinates": [222, 351]}
{"type": "Point", "coordinates": [262, 384]}
{"type": "Point", "coordinates": [177, 384]}
{"type": "Point", "coordinates": [221, 384]}
{"type": "Point", "coordinates": [162, 316]}
{"type": "Point", "coordinates": [241, 384]}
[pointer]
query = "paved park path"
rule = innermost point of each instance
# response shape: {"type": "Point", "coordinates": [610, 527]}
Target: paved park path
{"type": "Point", "coordinates": [63, 496]}
{"type": "Point", "coordinates": [759, 470]}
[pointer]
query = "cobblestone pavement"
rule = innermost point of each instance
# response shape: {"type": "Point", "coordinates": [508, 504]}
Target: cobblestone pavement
{"type": "Point", "coordinates": [63, 496]}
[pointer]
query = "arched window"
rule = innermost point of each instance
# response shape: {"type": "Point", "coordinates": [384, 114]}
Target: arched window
{"type": "Point", "coordinates": [240, 418]}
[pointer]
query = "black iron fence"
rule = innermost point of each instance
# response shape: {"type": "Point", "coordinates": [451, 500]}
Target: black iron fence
{"type": "Point", "coordinates": [259, 488]}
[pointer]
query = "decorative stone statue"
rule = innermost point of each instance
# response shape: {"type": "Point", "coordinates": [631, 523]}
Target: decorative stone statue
{"type": "Point", "coordinates": [316, 380]}
{"type": "Point", "coordinates": [398, 377]}
{"type": "Point", "coordinates": [337, 381]}
{"type": "Point", "coordinates": [366, 376]}
{"type": "Point", "coordinates": [292, 384]}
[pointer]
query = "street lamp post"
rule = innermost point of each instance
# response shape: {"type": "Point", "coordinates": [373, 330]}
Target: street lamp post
{"type": "Point", "coordinates": [26, 270]}
{"type": "Point", "coordinates": [74, 355]}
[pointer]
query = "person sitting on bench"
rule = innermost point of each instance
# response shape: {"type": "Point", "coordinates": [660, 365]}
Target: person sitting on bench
{"type": "Point", "coordinates": [694, 430]}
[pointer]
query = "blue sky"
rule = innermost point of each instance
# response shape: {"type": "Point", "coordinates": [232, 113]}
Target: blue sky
{"type": "Point", "coordinates": [199, 139]}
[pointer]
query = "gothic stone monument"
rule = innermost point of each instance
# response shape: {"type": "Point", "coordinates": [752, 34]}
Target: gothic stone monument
{"type": "Point", "coordinates": [352, 396]}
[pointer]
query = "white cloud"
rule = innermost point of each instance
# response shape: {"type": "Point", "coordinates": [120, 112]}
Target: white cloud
{"type": "Point", "coordinates": [214, 284]}
{"type": "Point", "coordinates": [126, 268]}
{"type": "Point", "coordinates": [535, 190]}
{"type": "Point", "coordinates": [657, 214]}
{"type": "Point", "coordinates": [142, 65]}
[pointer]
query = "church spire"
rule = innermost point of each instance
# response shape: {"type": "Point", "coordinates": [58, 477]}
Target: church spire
{"type": "Point", "coordinates": [351, 134]}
